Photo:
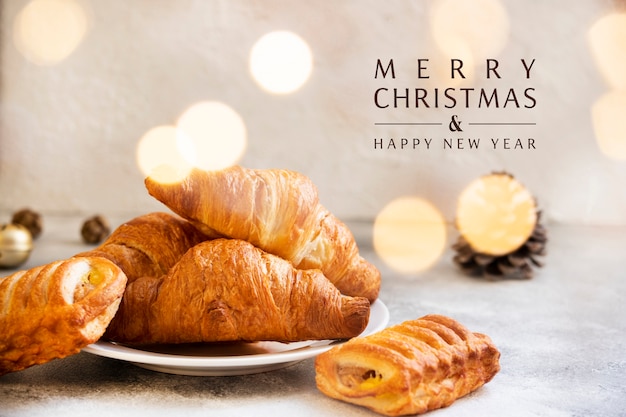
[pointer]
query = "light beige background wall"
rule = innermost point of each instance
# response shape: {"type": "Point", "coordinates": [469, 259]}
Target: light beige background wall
{"type": "Point", "coordinates": [68, 132]}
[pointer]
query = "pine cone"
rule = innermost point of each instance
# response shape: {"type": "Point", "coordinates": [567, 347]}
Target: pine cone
{"type": "Point", "coordinates": [29, 219]}
{"type": "Point", "coordinates": [95, 229]}
{"type": "Point", "coordinates": [515, 265]}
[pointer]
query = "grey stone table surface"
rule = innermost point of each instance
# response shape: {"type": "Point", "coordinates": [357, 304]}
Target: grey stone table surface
{"type": "Point", "coordinates": [562, 336]}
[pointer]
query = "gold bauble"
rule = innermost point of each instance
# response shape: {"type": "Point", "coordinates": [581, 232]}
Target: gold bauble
{"type": "Point", "coordinates": [16, 243]}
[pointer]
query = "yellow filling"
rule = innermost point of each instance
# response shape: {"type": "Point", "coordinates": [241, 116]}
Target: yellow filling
{"type": "Point", "coordinates": [94, 278]}
{"type": "Point", "coordinates": [368, 380]}
{"type": "Point", "coordinates": [358, 377]}
{"type": "Point", "coordinates": [370, 383]}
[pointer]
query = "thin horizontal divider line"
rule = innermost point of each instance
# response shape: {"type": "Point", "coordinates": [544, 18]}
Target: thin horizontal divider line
{"type": "Point", "coordinates": [407, 124]}
{"type": "Point", "coordinates": [503, 124]}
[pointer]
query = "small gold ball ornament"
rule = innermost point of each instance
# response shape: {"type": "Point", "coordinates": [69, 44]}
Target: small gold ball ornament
{"type": "Point", "coordinates": [16, 243]}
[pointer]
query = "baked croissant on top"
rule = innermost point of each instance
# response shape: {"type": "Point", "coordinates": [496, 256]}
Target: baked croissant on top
{"type": "Point", "coordinates": [148, 245]}
{"type": "Point", "coordinates": [409, 368]}
{"type": "Point", "coordinates": [277, 211]}
{"type": "Point", "coordinates": [229, 290]}
{"type": "Point", "coordinates": [55, 310]}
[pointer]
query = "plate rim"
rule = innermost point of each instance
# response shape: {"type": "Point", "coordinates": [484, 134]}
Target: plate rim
{"type": "Point", "coordinates": [111, 350]}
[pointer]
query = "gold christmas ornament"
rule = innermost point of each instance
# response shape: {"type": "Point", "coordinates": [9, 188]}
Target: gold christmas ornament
{"type": "Point", "coordinates": [500, 231]}
{"type": "Point", "coordinates": [16, 243]}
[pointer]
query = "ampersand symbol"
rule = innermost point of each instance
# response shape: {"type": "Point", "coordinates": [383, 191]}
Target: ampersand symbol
{"type": "Point", "coordinates": [455, 125]}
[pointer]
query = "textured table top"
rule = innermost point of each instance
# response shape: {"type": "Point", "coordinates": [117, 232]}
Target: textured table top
{"type": "Point", "coordinates": [562, 336]}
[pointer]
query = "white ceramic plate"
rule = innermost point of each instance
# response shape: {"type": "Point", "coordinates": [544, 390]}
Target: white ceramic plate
{"type": "Point", "coordinates": [221, 359]}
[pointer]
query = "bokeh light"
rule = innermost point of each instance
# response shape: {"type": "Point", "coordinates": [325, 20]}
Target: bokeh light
{"type": "Point", "coordinates": [217, 132]}
{"type": "Point", "coordinates": [496, 214]}
{"type": "Point", "coordinates": [165, 154]}
{"type": "Point", "coordinates": [481, 25]}
{"type": "Point", "coordinates": [48, 31]}
{"type": "Point", "coordinates": [460, 50]}
{"type": "Point", "coordinates": [607, 39]}
{"type": "Point", "coordinates": [608, 122]}
{"type": "Point", "coordinates": [281, 62]}
{"type": "Point", "coordinates": [209, 135]}
{"type": "Point", "coordinates": [409, 234]}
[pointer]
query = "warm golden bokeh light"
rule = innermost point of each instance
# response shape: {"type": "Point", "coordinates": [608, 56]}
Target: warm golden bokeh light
{"type": "Point", "coordinates": [48, 31]}
{"type": "Point", "coordinates": [209, 135]}
{"type": "Point", "coordinates": [496, 214]}
{"type": "Point", "coordinates": [281, 62]}
{"type": "Point", "coordinates": [459, 50]}
{"type": "Point", "coordinates": [607, 38]}
{"type": "Point", "coordinates": [217, 132]}
{"type": "Point", "coordinates": [483, 25]}
{"type": "Point", "coordinates": [608, 122]}
{"type": "Point", "coordinates": [163, 153]}
{"type": "Point", "coordinates": [409, 234]}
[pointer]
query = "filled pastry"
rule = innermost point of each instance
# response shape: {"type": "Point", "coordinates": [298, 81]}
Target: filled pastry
{"type": "Point", "coordinates": [409, 368]}
{"type": "Point", "coordinates": [55, 310]}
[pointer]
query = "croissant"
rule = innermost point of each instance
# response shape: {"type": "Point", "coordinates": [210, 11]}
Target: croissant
{"type": "Point", "coordinates": [54, 310]}
{"type": "Point", "coordinates": [277, 211]}
{"type": "Point", "coordinates": [410, 368]}
{"type": "Point", "coordinates": [148, 245]}
{"type": "Point", "coordinates": [233, 291]}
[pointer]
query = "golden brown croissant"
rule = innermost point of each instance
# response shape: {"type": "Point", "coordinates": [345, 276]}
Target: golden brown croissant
{"type": "Point", "coordinates": [148, 245]}
{"type": "Point", "coordinates": [277, 211]}
{"type": "Point", "coordinates": [229, 290]}
{"type": "Point", "coordinates": [54, 310]}
{"type": "Point", "coordinates": [410, 368]}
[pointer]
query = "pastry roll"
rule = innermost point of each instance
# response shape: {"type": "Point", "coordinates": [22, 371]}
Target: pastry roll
{"type": "Point", "coordinates": [55, 310]}
{"type": "Point", "coordinates": [409, 368]}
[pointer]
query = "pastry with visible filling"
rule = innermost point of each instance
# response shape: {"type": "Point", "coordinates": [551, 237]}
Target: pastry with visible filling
{"type": "Point", "coordinates": [409, 368]}
{"type": "Point", "coordinates": [53, 311]}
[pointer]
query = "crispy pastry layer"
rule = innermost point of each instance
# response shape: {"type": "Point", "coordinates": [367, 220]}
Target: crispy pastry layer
{"type": "Point", "coordinates": [410, 368]}
{"type": "Point", "coordinates": [229, 290]}
{"type": "Point", "coordinates": [148, 245]}
{"type": "Point", "coordinates": [277, 211]}
{"type": "Point", "coordinates": [55, 310]}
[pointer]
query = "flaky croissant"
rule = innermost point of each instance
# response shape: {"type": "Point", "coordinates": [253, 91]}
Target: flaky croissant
{"type": "Point", "coordinates": [55, 310]}
{"type": "Point", "coordinates": [410, 368]}
{"type": "Point", "coordinates": [277, 211]}
{"type": "Point", "coordinates": [148, 245]}
{"type": "Point", "coordinates": [229, 290]}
